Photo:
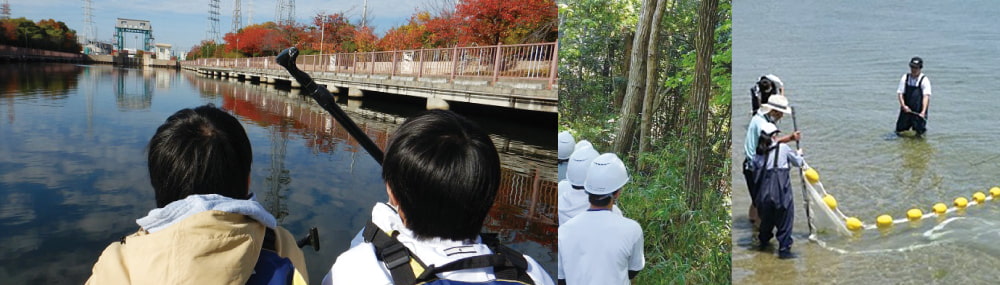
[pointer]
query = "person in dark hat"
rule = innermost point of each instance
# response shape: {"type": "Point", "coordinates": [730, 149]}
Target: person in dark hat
{"type": "Point", "coordinates": [914, 95]}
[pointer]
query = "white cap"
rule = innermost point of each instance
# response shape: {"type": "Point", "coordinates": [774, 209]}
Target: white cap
{"type": "Point", "coordinates": [606, 175]}
{"type": "Point", "coordinates": [579, 162]}
{"type": "Point", "coordinates": [566, 144]}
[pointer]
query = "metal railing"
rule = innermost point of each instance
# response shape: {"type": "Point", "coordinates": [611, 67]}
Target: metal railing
{"type": "Point", "coordinates": [533, 62]}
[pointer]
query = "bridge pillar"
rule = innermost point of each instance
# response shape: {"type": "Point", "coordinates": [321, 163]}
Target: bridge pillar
{"type": "Point", "coordinates": [436, 103]}
{"type": "Point", "coordinates": [353, 104]}
{"type": "Point", "coordinates": [354, 92]}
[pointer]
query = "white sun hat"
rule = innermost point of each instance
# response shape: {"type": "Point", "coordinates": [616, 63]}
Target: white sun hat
{"type": "Point", "coordinates": [776, 103]}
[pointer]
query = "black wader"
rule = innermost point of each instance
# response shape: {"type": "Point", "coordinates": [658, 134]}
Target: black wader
{"type": "Point", "coordinates": [913, 97]}
{"type": "Point", "coordinates": [774, 202]}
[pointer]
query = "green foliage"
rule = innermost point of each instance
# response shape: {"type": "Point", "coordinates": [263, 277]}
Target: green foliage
{"type": "Point", "coordinates": [207, 49]}
{"type": "Point", "coordinates": [593, 41]}
{"type": "Point", "coordinates": [46, 34]}
{"type": "Point", "coordinates": [682, 245]}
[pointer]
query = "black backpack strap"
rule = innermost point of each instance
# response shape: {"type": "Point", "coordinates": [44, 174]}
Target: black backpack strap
{"type": "Point", "coordinates": [778, 148]}
{"type": "Point", "coordinates": [396, 257]}
{"type": "Point", "coordinates": [507, 263]}
{"type": "Point", "coordinates": [269, 240]}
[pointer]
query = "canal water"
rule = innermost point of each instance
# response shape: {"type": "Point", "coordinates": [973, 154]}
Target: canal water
{"type": "Point", "coordinates": [841, 62]}
{"type": "Point", "coordinates": [73, 167]}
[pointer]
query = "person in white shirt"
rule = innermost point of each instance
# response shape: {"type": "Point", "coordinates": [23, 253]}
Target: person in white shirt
{"type": "Point", "coordinates": [572, 199]}
{"type": "Point", "coordinates": [598, 246]}
{"type": "Point", "coordinates": [914, 94]}
{"type": "Point", "coordinates": [564, 185]}
{"type": "Point", "coordinates": [442, 173]}
{"type": "Point", "coordinates": [566, 145]}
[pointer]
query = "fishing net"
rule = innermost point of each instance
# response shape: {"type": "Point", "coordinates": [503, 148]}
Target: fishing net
{"type": "Point", "coordinates": [826, 219]}
{"type": "Point", "coordinates": [823, 218]}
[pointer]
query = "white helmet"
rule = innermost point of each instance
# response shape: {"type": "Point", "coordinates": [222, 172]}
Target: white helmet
{"type": "Point", "coordinates": [768, 128]}
{"type": "Point", "coordinates": [606, 175]}
{"type": "Point", "coordinates": [566, 144]}
{"type": "Point", "coordinates": [582, 143]}
{"type": "Point", "coordinates": [579, 162]}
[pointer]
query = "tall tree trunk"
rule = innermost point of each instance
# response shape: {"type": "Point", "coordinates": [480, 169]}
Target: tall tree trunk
{"type": "Point", "coordinates": [701, 92]}
{"type": "Point", "coordinates": [636, 82]}
{"type": "Point", "coordinates": [621, 88]}
{"type": "Point", "coordinates": [652, 76]}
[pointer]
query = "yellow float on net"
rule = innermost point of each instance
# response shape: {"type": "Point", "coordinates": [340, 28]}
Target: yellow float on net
{"type": "Point", "coordinates": [884, 221]}
{"type": "Point", "coordinates": [995, 192]}
{"type": "Point", "coordinates": [853, 224]}
{"type": "Point", "coordinates": [979, 197]}
{"type": "Point", "coordinates": [940, 208]}
{"type": "Point", "coordinates": [830, 201]}
{"type": "Point", "coordinates": [812, 176]}
{"type": "Point", "coordinates": [961, 202]}
{"type": "Point", "coordinates": [914, 214]}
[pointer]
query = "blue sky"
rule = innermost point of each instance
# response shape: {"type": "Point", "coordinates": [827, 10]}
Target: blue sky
{"type": "Point", "coordinates": [184, 23]}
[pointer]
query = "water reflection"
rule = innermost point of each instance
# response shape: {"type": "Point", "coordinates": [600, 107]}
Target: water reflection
{"type": "Point", "coordinates": [914, 157]}
{"type": "Point", "coordinates": [134, 92]}
{"type": "Point", "coordinates": [73, 170]}
{"type": "Point", "coordinates": [278, 178]}
{"type": "Point", "coordinates": [524, 212]}
{"type": "Point", "coordinates": [844, 135]}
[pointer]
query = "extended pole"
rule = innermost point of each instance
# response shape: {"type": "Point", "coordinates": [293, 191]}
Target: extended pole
{"type": "Point", "coordinates": [322, 96]}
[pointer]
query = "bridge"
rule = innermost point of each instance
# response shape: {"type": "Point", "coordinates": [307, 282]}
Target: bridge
{"type": "Point", "coordinates": [513, 76]}
{"type": "Point", "coordinates": [527, 187]}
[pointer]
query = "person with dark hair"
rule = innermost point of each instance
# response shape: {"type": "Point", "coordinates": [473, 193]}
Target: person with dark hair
{"type": "Point", "coordinates": [573, 200]}
{"type": "Point", "coordinates": [774, 193]}
{"type": "Point", "coordinates": [599, 246]}
{"type": "Point", "coordinates": [762, 90]}
{"type": "Point", "coordinates": [914, 94]}
{"type": "Point", "coordinates": [207, 228]}
{"type": "Point", "coordinates": [442, 173]}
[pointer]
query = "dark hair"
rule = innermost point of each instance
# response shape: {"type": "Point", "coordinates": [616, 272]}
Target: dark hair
{"type": "Point", "coordinates": [444, 171]}
{"type": "Point", "coordinates": [763, 83]}
{"type": "Point", "coordinates": [199, 151]}
{"type": "Point", "coordinates": [764, 143]}
{"type": "Point", "coordinates": [601, 200]}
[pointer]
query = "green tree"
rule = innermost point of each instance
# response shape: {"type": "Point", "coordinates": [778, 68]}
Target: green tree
{"type": "Point", "coordinates": [685, 218]}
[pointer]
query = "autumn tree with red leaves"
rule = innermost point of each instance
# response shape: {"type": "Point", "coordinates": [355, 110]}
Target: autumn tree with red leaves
{"type": "Point", "coordinates": [488, 22]}
{"type": "Point", "coordinates": [338, 33]}
{"type": "Point", "coordinates": [257, 40]}
{"type": "Point", "coordinates": [423, 31]}
{"type": "Point", "coordinates": [364, 39]}
{"type": "Point", "coordinates": [46, 34]}
{"type": "Point", "coordinates": [471, 22]}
